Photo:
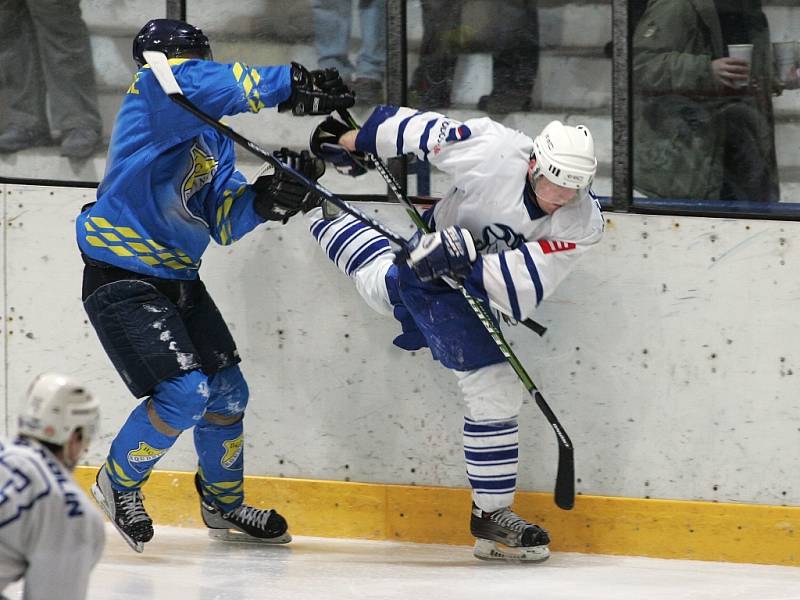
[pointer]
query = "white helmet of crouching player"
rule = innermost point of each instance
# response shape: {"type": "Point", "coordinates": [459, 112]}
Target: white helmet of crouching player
{"type": "Point", "coordinates": [55, 407]}
{"type": "Point", "coordinates": [562, 164]}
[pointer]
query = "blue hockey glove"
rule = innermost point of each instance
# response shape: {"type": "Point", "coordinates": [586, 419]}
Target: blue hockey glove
{"type": "Point", "coordinates": [324, 144]}
{"type": "Point", "coordinates": [446, 253]}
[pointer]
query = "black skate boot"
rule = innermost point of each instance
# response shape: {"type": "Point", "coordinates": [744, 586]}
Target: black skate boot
{"type": "Point", "coordinates": [126, 511]}
{"type": "Point", "coordinates": [242, 524]}
{"type": "Point", "coordinates": [504, 535]}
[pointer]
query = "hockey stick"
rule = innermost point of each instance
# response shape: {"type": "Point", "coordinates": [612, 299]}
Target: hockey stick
{"type": "Point", "coordinates": [159, 64]}
{"type": "Point", "coordinates": [412, 211]}
{"type": "Point", "coordinates": [565, 479]}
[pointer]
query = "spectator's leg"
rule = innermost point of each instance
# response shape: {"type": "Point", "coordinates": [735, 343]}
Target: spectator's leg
{"type": "Point", "coordinates": [332, 34]}
{"type": "Point", "coordinates": [372, 58]}
{"type": "Point", "coordinates": [69, 73]}
{"type": "Point", "coordinates": [21, 79]}
{"type": "Point", "coordinates": [371, 64]}
{"type": "Point", "coordinates": [515, 59]}
{"type": "Point", "coordinates": [433, 78]}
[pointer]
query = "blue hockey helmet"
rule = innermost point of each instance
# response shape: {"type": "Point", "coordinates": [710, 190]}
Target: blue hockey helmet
{"type": "Point", "coordinates": [173, 38]}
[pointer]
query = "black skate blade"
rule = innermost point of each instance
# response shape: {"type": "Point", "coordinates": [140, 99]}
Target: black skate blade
{"type": "Point", "coordinates": [239, 537]}
{"type": "Point", "coordinates": [492, 551]}
{"type": "Point", "coordinates": [101, 501]}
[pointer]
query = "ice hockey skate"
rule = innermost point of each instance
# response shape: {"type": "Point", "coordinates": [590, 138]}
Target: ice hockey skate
{"type": "Point", "coordinates": [242, 524]}
{"type": "Point", "coordinates": [126, 511]}
{"type": "Point", "coordinates": [504, 535]}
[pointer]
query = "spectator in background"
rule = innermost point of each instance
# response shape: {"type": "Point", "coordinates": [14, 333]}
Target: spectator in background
{"type": "Point", "coordinates": [703, 121]}
{"type": "Point", "coordinates": [332, 21]}
{"type": "Point", "coordinates": [514, 29]}
{"type": "Point", "coordinates": [45, 55]}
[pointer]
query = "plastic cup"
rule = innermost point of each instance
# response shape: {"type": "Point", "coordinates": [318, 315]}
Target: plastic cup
{"type": "Point", "coordinates": [785, 54]}
{"type": "Point", "coordinates": [743, 52]}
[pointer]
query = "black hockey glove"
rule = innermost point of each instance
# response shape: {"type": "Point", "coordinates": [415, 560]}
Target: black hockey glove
{"type": "Point", "coordinates": [317, 92]}
{"type": "Point", "coordinates": [324, 144]}
{"type": "Point", "coordinates": [281, 195]}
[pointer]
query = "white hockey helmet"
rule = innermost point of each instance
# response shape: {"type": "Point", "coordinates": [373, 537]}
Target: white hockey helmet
{"type": "Point", "coordinates": [55, 406]}
{"type": "Point", "coordinates": [565, 155]}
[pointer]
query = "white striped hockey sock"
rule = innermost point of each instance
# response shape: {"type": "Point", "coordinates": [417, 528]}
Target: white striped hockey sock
{"type": "Point", "coordinates": [349, 243]}
{"type": "Point", "coordinates": [491, 450]}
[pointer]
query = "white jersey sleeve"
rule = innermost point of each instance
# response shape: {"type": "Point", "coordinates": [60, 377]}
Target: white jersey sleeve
{"type": "Point", "coordinates": [50, 533]}
{"type": "Point", "coordinates": [452, 146]}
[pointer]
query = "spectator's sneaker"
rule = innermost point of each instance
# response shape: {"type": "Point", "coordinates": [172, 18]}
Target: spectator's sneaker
{"type": "Point", "coordinates": [126, 511]}
{"type": "Point", "coordinates": [242, 524]}
{"type": "Point", "coordinates": [504, 535]}
{"type": "Point", "coordinates": [79, 143]}
{"type": "Point", "coordinates": [16, 138]}
{"type": "Point", "coordinates": [368, 91]}
{"type": "Point", "coordinates": [505, 103]}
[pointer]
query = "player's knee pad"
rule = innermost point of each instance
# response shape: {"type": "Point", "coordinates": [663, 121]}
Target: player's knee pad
{"type": "Point", "coordinates": [491, 393]}
{"type": "Point", "coordinates": [228, 393]}
{"type": "Point", "coordinates": [181, 401]}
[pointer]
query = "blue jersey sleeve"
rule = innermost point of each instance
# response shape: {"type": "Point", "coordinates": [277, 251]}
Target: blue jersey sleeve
{"type": "Point", "coordinates": [218, 89]}
{"type": "Point", "coordinates": [227, 207]}
{"type": "Point", "coordinates": [227, 89]}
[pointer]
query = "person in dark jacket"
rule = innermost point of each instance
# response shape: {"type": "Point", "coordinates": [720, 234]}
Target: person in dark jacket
{"type": "Point", "coordinates": [703, 121]}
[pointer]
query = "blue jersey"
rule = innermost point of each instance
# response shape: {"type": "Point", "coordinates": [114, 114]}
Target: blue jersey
{"type": "Point", "coordinates": [170, 180]}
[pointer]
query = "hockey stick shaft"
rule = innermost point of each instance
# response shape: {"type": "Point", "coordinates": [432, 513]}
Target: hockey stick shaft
{"type": "Point", "coordinates": [163, 72]}
{"type": "Point", "coordinates": [565, 476]}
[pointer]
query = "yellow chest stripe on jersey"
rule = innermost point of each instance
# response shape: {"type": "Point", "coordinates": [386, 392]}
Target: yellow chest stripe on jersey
{"type": "Point", "coordinates": [124, 241]}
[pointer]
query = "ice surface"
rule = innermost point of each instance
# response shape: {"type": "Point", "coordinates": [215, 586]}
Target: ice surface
{"type": "Point", "coordinates": [184, 564]}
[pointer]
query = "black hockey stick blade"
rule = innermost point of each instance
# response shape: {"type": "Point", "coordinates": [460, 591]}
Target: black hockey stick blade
{"type": "Point", "coordinates": [565, 477]}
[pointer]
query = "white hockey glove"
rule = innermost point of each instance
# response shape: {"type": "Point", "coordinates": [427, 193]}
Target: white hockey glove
{"type": "Point", "coordinates": [446, 253]}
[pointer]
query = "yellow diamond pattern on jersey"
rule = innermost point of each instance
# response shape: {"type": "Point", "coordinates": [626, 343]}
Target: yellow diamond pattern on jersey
{"type": "Point", "coordinates": [249, 78]}
{"type": "Point", "coordinates": [223, 217]}
{"type": "Point", "coordinates": [124, 241]}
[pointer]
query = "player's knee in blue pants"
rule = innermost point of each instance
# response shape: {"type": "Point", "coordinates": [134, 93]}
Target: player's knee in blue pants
{"type": "Point", "coordinates": [218, 439]}
{"type": "Point", "coordinates": [177, 403]}
{"type": "Point", "coordinates": [180, 402]}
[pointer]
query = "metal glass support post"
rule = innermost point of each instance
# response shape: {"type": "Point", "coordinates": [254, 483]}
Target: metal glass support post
{"type": "Point", "coordinates": [622, 113]}
{"type": "Point", "coordinates": [397, 75]}
{"type": "Point", "coordinates": [176, 9]}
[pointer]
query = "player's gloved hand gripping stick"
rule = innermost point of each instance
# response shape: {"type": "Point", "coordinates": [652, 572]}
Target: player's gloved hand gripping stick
{"type": "Point", "coordinates": [565, 479]}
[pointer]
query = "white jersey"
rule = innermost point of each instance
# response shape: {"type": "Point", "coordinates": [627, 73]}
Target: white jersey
{"type": "Point", "coordinates": [526, 253]}
{"type": "Point", "coordinates": [50, 532]}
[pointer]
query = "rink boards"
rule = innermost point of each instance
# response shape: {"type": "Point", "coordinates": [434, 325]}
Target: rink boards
{"type": "Point", "coordinates": [671, 360]}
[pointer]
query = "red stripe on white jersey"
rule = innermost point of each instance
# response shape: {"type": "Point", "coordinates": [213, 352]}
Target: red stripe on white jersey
{"type": "Point", "coordinates": [550, 246]}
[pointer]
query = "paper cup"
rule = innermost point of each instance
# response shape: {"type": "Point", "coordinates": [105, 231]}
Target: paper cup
{"type": "Point", "coordinates": [744, 52]}
{"type": "Point", "coordinates": [785, 61]}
